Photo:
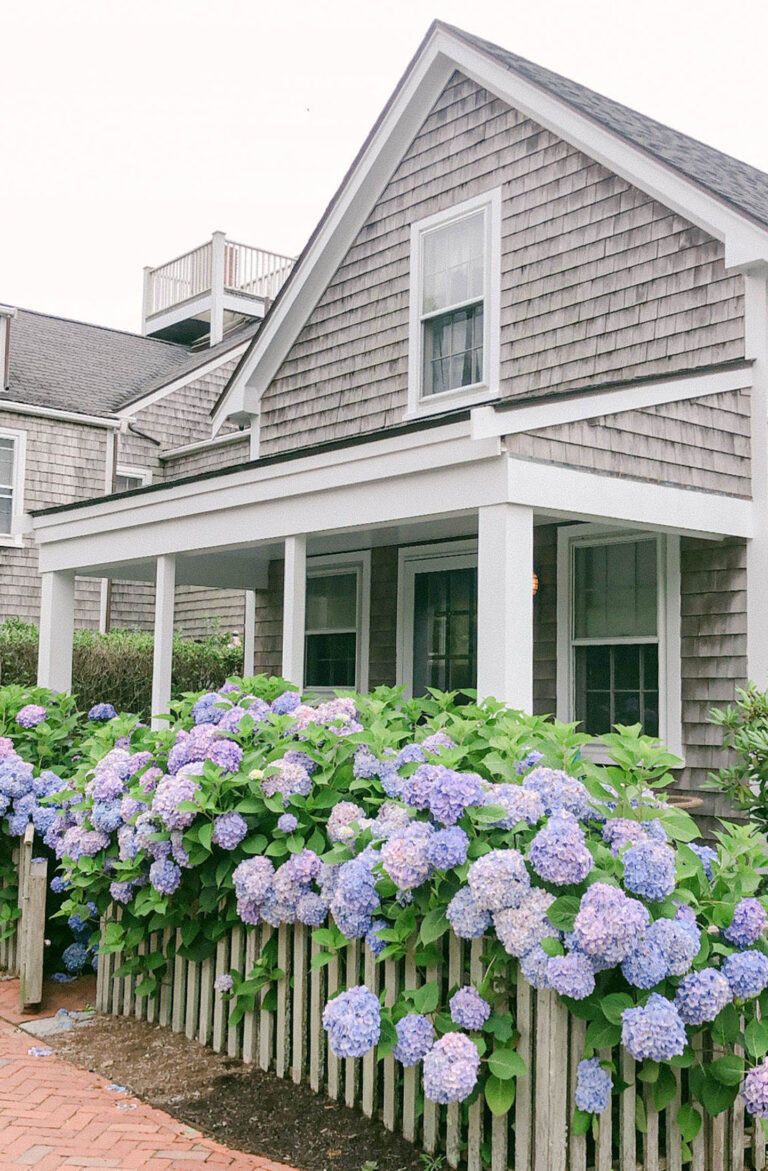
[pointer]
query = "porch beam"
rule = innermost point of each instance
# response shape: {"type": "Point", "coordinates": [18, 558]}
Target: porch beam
{"type": "Point", "coordinates": [505, 604]}
{"type": "Point", "coordinates": [162, 663]}
{"type": "Point", "coordinates": [294, 609]}
{"type": "Point", "coordinates": [57, 627]}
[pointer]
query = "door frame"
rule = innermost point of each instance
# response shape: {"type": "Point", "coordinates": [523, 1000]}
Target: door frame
{"type": "Point", "coordinates": [415, 559]}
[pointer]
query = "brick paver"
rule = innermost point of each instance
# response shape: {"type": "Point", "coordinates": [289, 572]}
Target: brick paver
{"type": "Point", "coordinates": [54, 1115]}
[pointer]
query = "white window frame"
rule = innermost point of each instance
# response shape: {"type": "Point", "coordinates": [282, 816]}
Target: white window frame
{"type": "Point", "coordinates": [339, 564]}
{"type": "Point", "coordinates": [569, 537]}
{"type": "Point", "coordinates": [19, 438]}
{"type": "Point", "coordinates": [143, 474]}
{"type": "Point", "coordinates": [415, 559]}
{"type": "Point", "coordinates": [419, 404]}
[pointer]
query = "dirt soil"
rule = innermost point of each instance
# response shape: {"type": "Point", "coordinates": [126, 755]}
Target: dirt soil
{"type": "Point", "coordinates": [238, 1105]}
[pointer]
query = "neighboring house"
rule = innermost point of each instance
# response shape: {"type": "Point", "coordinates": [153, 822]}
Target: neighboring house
{"type": "Point", "coordinates": [529, 336]}
{"type": "Point", "coordinates": [86, 410]}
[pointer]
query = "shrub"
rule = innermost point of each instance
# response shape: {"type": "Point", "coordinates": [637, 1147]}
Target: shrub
{"type": "Point", "coordinates": [745, 728]}
{"type": "Point", "coordinates": [118, 665]}
{"type": "Point", "coordinates": [409, 820]}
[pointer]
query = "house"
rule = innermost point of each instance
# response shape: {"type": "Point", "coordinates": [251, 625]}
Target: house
{"type": "Point", "coordinates": [86, 410]}
{"type": "Point", "coordinates": [529, 336]}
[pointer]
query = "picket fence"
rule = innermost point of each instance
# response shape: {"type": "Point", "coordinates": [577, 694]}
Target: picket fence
{"type": "Point", "coordinates": [534, 1136]}
{"type": "Point", "coordinates": [23, 951]}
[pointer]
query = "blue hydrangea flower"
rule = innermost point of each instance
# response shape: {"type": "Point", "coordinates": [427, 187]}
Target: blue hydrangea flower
{"type": "Point", "coordinates": [165, 876]}
{"type": "Point", "coordinates": [594, 1086]}
{"type": "Point", "coordinates": [205, 711]}
{"type": "Point", "coordinates": [121, 892]}
{"type": "Point", "coordinates": [447, 794]}
{"type": "Point", "coordinates": [560, 792]}
{"type": "Point", "coordinates": [468, 1008]}
{"type": "Point", "coordinates": [747, 973]}
{"type": "Point", "coordinates": [654, 1030]}
{"type": "Point", "coordinates": [372, 940]}
{"type": "Point", "coordinates": [533, 966]}
{"type": "Point", "coordinates": [450, 1069]}
{"type": "Point", "coordinates": [754, 1090]}
{"type": "Point", "coordinates": [519, 929]}
{"type": "Point", "coordinates": [621, 831]}
{"type": "Point", "coordinates": [707, 856]}
{"type": "Point", "coordinates": [645, 966]}
{"type": "Point", "coordinates": [224, 982]}
{"type": "Point", "coordinates": [102, 711]}
{"type": "Point", "coordinates": [558, 853]}
{"type": "Point", "coordinates": [448, 848]}
{"type": "Point", "coordinates": [649, 870]}
{"type": "Point", "coordinates": [227, 755]}
{"type": "Point", "coordinates": [229, 829]}
{"type": "Point", "coordinates": [172, 792]}
{"type": "Point", "coordinates": [287, 823]}
{"type": "Point", "coordinates": [701, 996]}
{"type": "Point", "coordinates": [75, 957]}
{"type": "Point", "coordinates": [353, 1022]}
{"type": "Point", "coordinates": [519, 804]}
{"type": "Point", "coordinates": [343, 824]}
{"type": "Point", "coordinates": [286, 703]}
{"type": "Point", "coordinates": [354, 898]}
{"type": "Point", "coordinates": [415, 1038]}
{"type": "Point", "coordinates": [608, 924]}
{"type": "Point", "coordinates": [571, 975]}
{"type": "Point", "coordinates": [31, 715]}
{"type": "Point", "coordinates": [499, 880]}
{"type": "Point", "coordinates": [678, 941]}
{"type": "Point", "coordinates": [531, 759]}
{"type": "Point", "coordinates": [365, 765]}
{"type": "Point", "coordinates": [465, 917]}
{"type": "Point", "coordinates": [405, 858]}
{"type": "Point", "coordinates": [747, 925]}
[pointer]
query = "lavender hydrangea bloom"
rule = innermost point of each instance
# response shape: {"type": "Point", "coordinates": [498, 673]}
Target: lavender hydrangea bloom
{"type": "Point", "coordinates": [594, 1086]}
{"type": "Point", "coordinates": [291, 780]}
{"type": "Point", "coordinates": [706, 855]}
{"type": "Point", "coordinates": [287, 823]}
{"type": "Point", "coordinates": [405, 858]}
{"type": "Point", "coordinates": [678, 941]}
{"type": "Point", "coordinates": [415, 1038]}
{"type": "Point", "coordinates": [373, 942]}
{"type": "Point", "coordinates": [747, 925]}
{"type": "Point", "coordinates": [620, 832]}
{"type": "Point", "coordinates": [747, 973]}
{"type": "Point", "coordinates": [353, 1022]}
{"type": "Point", "coordinates": [448, 848]}
{"type": "Point", "coordinates": [450, 1069]}
{"type": "Point", "coordinates": [286, 703]}
{"type": "Point", "coordinates": [121, 892]}
{"type": "Point", "coordinates": [571, 975]}
{"type": "Point", "coordinates": [165, 876]}
{"type": "Point", "coordinates": [205, 711]}
{"type": "Point", "coordinates": [342, 820]}
{"type": "Point", "coordinates": [75, 957]}
{"type": "Point", "coordinates": [227, 755]}
{"type": "Point", "coordinates": [499, 880]}
{"type": "Point", "coordinates": [531, 759]}
{"type": "Point", "coordinates": [559, 791]}
{"type": "Point", "coordinates": [468, 1008]}
{"type": "Point", "coordinates": [172, 792]}
{"type": "Point", "coordinates": [391, 819]}
{"type": "Point", "coordinates": [31, 715]}
{"type": "Point", "coordinates": [558, 853]}
{"type": "Point", "coordinates": [646, 965]}
{"type": "Point", "coordinates": [354, 898]}
{"type": "Point", "coordinates": [754, 1090]}
{"type": "Point", "coordinates": [223, 982]}
{"type": "Point", "coordinates": [229, 829]}
{"type": "Point", "coordinates": [409, 754]}
{"type": "Point", "coordinates": [232, 718]}
{"type": "Point", "coordinates": [649, 870]}
{"type": "Point", "coordinates": [608, 924]}
{"type": "Point", "coordinates": [365, 765]}
{"type": "Point", "coordinates": [654, 1030]}
{"type": "Point", "coordinates": [446, 793]}
{"type": "Point", "coordinates": [465, 917]}
{"type": "Point", "coordinates": [311, 909]}
{"type": "Point", "coordinates": [253, 879]}
{"type": "Point", "coordinates": [534, 965]}
{"type": "Point", "coordinates": [437, 741]}
{"type": "Point", "coordinates": [701, 996]}
{"type": "Point", "coordinates": [102, 711]}
{"type": "Point", "coordinates": [519, 804]}
{"type": "Point", "coordinates": [519, 929]}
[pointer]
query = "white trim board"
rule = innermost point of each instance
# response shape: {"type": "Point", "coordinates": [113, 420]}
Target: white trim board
{"type": "Point", "coordinates": [182, 380]}
{"type": "Point", "coordinates": [359, 563]}
{"type": "Point", "coordinates": [443, 52]}
{"type": "Point", "coordinates": [17, 408]}
{"type": "Point", "coordinates": [15, 539]}
{"type": "Point", "coordinates": [488, 421]}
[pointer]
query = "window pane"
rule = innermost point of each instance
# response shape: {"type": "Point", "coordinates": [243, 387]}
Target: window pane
{"type": "Point", "coordinates": [332, 602]}
{"type": "Point", "coordinates": [124, 483]}
{"type": "Point", "coordinates": [444, 634]}
{"type": "Point", "coordinates": [615, 590]}
{"type": "Point", "coordinates": [617, 685]}
{"type": "Point", "coordinates": [6, 462]}
{"type": "Point", "coordinates": [6, 512]}
{"type": "Point", "coordinates": [453, 350]}
{"type": "Point", "coordinates": [453, 267]}
{"type": "Point", "coordinates": [331, 660]}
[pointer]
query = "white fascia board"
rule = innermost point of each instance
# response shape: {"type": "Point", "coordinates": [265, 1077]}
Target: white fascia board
{"type": "Point", "coordinates": [8, 311]}
{"type": "Point", "coordinates": [488, 420]}
{"type": "Point", "coordinates": [588, 496]}
{"type": "Point", "coordinates": [17, 408]}
{"type": "Point", "coordinates": [204, 445]}
{"type": "Point", "coordinates": [182, 380]}
{"type": "Point", "coordinates": [746, 242]}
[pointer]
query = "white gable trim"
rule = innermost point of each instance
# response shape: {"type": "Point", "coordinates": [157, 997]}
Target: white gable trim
{"type": "Point", "coordinates": [746, 243]}
{"type": "Point", "coordinates": [182, 380]}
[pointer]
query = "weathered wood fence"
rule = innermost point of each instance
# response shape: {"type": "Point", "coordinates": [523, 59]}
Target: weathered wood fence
{"type": "Point", "coordinates": [23, 952]}
{"type": "Point", "coordinates": [534, 1136]}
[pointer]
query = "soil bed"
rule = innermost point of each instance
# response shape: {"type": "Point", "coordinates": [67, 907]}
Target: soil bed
{"type": "Point", "coordinates": [237, 1104]}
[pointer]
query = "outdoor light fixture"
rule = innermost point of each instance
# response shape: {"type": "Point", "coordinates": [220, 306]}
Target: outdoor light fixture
{"type": "Point", "coordinates": [535, 584]}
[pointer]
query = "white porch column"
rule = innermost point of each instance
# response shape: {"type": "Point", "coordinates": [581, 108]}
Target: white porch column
{"type": "Point", "coordinates": [294, 607]}
{"type": "Point", "coordinates": [165, 585]}
{"type": "Point", "coordinates": [505, 604]}
{"type": "Point", "coordinates": [57, 626]}
{"type": "Point", "coordinates": [249, 632]}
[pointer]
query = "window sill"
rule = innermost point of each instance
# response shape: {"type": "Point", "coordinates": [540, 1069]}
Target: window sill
{"type": "Point", "coordinates": [10, 542]}
{"type": "Point", "coordinates": [436, 404]}
{"type": "Point", "coordinates": [597, 753]}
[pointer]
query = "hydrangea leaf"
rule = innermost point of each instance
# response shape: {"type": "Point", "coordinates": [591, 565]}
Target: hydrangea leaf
{"type": "Point", "coordinates": [664, 1088]}
{"type": "Point", "coordinates": [434, 925]}
{"type": "Point", "coordinates": [581, 1122]}
{"type": "Point", "coordinates": [500, 1095]}
{"type": "Point", "coordinates": [689, 1121]}
{"type": "Point", "coordinates": [563, 912]}
{"type": "Point", "coordinates": [613, 1006]}
{"type": "Point", "coordinates": [756, 1036]}
{"type": "Point", "coordinates": [601, 1034]}
{"type": "Point", "coordinates": [506, 1063]}
{"type": "Point", "coordinates": [715, 1096]}
{"type": "Point", "coordinates": [728, 1070]}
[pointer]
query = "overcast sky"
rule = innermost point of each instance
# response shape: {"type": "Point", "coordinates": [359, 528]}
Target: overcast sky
{"type": "Point", "coordinates": [129, 131]}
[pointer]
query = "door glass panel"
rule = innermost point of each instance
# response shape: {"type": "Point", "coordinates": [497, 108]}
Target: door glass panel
{"type": "Point", "coordinates": [445, 630]}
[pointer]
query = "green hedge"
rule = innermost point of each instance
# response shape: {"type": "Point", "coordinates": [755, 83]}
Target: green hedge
{"type": "Point", "coordinates": [116, 667]}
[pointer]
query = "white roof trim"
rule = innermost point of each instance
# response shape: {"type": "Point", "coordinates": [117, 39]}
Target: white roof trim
{"type": "Point", "coordinates": [746, 242]}
{"type": "Point", "coordinates": [180, 380]}
{"type": "Point", "coordinates": [18, 408]}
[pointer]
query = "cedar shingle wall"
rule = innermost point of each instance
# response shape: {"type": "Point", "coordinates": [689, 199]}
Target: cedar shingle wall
{"type": "Point", "coordinates": [700, 443]}
{"type": "Point", "coordinates": [599, 282]}
{"type": "Point", "coordinates": [207, 461]}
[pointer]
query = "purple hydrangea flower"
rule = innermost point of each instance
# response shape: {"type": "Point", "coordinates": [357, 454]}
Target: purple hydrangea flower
{"type": "Point", "coordinates": [519, 804]}
{"type": "Point", "coordinates": [448, 848]}
{"type": "Point", "coordinates": [121, 892]}
{"type": "Point", "coordinates": [253, 879]}
{"type": "Point", "coordinates": [465, 917]}
{"type": "Point", "coordinates": [519, 929]}
{"type": "Point", "coordinates": [701, 996]}
{"type": "Point", "coordinates": [608, 924]}
{"type": "Point", "coordinates": [165, 876]}
{"type": "Point", "coordinates": [499, 880]}
{"type": "Point", "coordinates": [353, 1022]}
{"type": "Point", "coordinates": [649, 870]}
{"type": "Point", "coordinates": [654, 1030]}
{"type": "Point", "coordinates": [291, 780]}
{"type": "Point", "coordinates": [311, 909]}
{"type": "Point", "coordinates": [571, 975]}
{"type": "Point", "coordinates": [747, 925]}
{"type": "Point", "coordinates": [706, 855]}
{"type": "Point", "coordinates": [223, 982]}
{"type": "Point", "coordinates": [404, 856]}
{"type": "Point", "coordinates": [450, 1069]}
{"type": "Point", "coordinates": [354, 898]}
{"type": "Point", "coordinates": [531, 759]}
{"type": "Point", "coordinates": [31, 715]}
{"type": "Point", "coordinates": [75, 957]}
{"type": "Point", "coordinates": [373, 942]}
{"type": "Point", "coordinates": [415, 1038]}
{"type": "Point", "coordinates": [754, 1090]}
{"type": "Point", "coordinates": [365, 765]}
{"type": "Point", "coordinates": [229, 829]}
{"type": "Point", "coordinates": [620, 832]}
{"type": "Point", "coordinates": [172, 792]}
{"type": "Point", "coordinates": [446, 793]}
{"type": "Point", "coordinates": [534, 965]}
{"type": "Point", "coordinates": [287, 823]}
{"type": "Point", "coordinates": [558, 853]}
{"type": "Point", "coordinates": [227, 755]}
{"type": "Point", "coordinates": [747, 973]}
{"type": "Point", "coordinates": [342, 820]}
{"type": "Point", "coordinates": [594, 1086]}
{"type": "Point", "coordinates": [468, 1008]}
{"type": "Point", "coordinates": [646, 965]}
{"type": "Point", "coordinates": [286, 703]}
{"type": "Point", "coordinates": [436, 741]}
{"type": "Point", "coordinates": [560, 792]}
{"type": "Point", "coordinates": [102, 711]}
{"type": "Point", "coordinates": [678, 941]}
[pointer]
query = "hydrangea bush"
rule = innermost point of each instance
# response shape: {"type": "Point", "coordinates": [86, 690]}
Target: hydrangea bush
{"type": "Point", "coordinates": [399, 822]}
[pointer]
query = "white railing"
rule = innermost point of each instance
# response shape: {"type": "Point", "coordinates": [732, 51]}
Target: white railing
{"type": "Point", "coordinates": [238, 267]}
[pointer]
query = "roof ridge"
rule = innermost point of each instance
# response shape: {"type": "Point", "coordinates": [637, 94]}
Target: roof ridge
{"type": "Point", "coordinates": [105, 328]}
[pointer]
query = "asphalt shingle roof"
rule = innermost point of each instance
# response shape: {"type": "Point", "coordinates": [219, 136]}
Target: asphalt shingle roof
{"type": "Point", "coordinates": [73, 366]}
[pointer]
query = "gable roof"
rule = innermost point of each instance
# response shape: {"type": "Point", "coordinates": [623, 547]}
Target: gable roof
{"type": "Point", "coordinates": [741, 191]}
{"type": "Point", "coordinates": [92, 370]}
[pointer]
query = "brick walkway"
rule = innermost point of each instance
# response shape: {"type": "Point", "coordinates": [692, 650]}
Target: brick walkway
{"type": "Point", "coordinates": [54, 1115]}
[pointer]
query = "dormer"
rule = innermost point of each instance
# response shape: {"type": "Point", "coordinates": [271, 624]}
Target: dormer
{"type": "Point", "coordinates": [207, 292]}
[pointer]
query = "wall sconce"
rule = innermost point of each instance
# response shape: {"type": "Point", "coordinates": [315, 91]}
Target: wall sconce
{"type": "Point", "coordinates": [535, 584]}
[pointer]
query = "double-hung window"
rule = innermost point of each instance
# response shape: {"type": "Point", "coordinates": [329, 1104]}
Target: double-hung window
{"type": "Point", "coordinates": [454, 332]}
{"type": "Point", "coordinates": [336, 624]}
{"type": "Point", "coordinates": [618, 619]}
{"type": "Point", "coordinates": [12, 449]}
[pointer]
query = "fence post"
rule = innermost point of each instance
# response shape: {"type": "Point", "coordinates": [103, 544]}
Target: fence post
{"type": "Point", "coordinates": [33, 883]}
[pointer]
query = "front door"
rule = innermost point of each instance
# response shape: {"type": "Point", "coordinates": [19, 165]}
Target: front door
{"type": "Point", "coordinates": [444, 630]}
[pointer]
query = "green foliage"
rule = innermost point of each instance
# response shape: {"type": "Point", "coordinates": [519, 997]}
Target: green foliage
{"type": "Point", "coordinates": [745, 735]}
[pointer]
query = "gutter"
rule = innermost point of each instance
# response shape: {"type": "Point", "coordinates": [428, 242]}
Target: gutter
{"type": "Point", "coordinates": [203, 445]}
{"type": "Point", "coordinates": [17, 408]}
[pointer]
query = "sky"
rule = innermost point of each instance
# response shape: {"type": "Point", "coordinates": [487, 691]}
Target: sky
{"type": "Point", "coordinates": [130, 131]}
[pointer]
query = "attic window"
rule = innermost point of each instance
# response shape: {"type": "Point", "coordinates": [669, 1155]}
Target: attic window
{"type": "Point", "coordinates": [454, 332]}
